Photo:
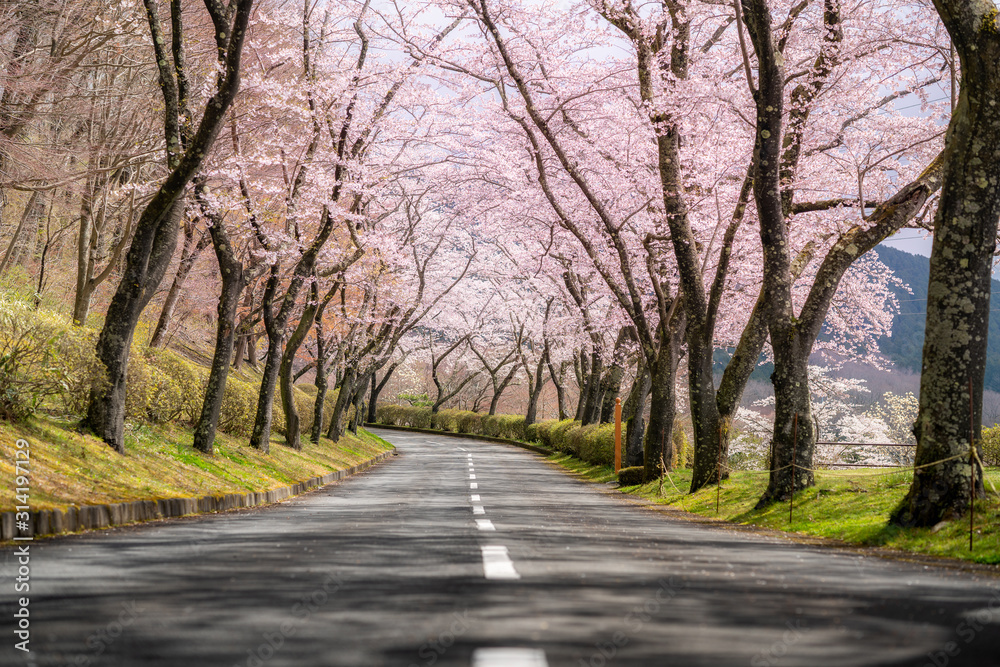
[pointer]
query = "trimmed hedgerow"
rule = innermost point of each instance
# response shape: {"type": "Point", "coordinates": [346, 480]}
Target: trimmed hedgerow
{"type": "Point", "coordinates": [46, 364]}
{"type": "Point", "coordinates": [593, 443]}
{"type": "Point", "coordinates": [631, 476]}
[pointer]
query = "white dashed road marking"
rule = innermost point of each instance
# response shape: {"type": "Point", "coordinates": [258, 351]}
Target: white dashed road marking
{"type": "Point", "coordinates": [497, 564]}
{"type": "Point", "coordinates": [474, 498]}
{"type": "Point", "coordinates": [472, 476]}
{"type": "Point", "coordinates": [485, 524]}
{"type": "Point", "coordinates": [509, 657]}
{"type": "Point", "coordinates": [478, 509]}
{"type": "Point", "coordinates": [473, 485]}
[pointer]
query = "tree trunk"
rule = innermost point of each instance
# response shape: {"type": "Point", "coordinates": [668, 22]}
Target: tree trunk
{"type": "Point", "coordinates": [336, 429]}
{"type": "Point", "coordinates": [231, 270]}
{"type": "Point", "coordinates": [376, 390]}
{"type": "Point", "coordinates": [84, 261]}
{"type": "Point", "coordinates": [287, 388]}
{"type": "Point", "coordinates": [710, 446]}
{"type": "Point", "coordinates": [658, 445]}
{"type": "Point", "coordinates": [495, 401]}
{"type": "Point", "coordinates": [16, 236]}
{"type": "Point", "coordinates": [189, 254]}
{"type": "Point", "coordinates": [560, 390]}
{"type": "Point", "coordinates": [611, 386]}
{"type": "Point", "coordinates": [958, 296]}
{"type": "Point", "coordinates": [359, 397]}
{"type": "Point", "coordinates": [498, 389]}
{"type": "Point", "coordinates": [240, 353]}
{"type": "Point", "coordinates": [794, 435]}
{"type": "Point", "coordinates": [252, 359]}
{"type": "Point", "coordinates": [581, 366]}
{"type": "Point", "coordinates": [633, 412]}
{"type": "Point", "coordinates": [322, 383]}
{"type": "Point", "coordinates": [592, 407]}
{"type": "Point", "coordinates": [260, 438]}
{"type": "Point", "coordinates": [535, 385]}
{"type": "Point", "coordinates": [147, 261]}
{"type": "Point", "coordinates": [155, 238]}
{"type": "Point", "coordinates": [611, 383]}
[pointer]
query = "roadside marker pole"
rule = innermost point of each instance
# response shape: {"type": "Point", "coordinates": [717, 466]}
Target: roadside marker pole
{"type": "Point", "coordinates": [718, 474]}
{"type": "Point", "coordinates": [972, 467]}
{"type": "Point", "coordinates": [795, 446]}
{"type": "Point", "coordinates": [618, 434]}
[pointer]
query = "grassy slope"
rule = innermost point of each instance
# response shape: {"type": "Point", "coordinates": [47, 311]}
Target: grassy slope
{"type": "Point", "coordinates": [845, 505]}
{"type": "Point", "coordinates": [68, 468]}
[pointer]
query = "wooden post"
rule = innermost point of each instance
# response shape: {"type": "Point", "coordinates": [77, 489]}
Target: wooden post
{"type": "Point", "coordinates": [972, 467]}
{"type": "Point", "coordinates": [718, 474]}
{"type": "Point", "coordinates": [618, 434]}
{"type": "Point", "coordinates": [795, 446]}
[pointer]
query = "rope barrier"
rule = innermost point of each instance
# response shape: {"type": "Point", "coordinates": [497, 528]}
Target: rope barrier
{"type": "Point", "coordinates": [982, 467]}
{"type": "Point", "coordinates": [898, 470]}
{"type": "Point", "coordinates": [669, 477]}
{"type": "Point", "coordinates": [894, 471]}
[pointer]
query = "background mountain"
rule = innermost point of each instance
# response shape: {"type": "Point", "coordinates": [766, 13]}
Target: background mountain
{"type": "Point", "coordinates": [905, 347]}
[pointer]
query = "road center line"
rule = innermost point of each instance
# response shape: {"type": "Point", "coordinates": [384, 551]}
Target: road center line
{"type": "Point", "coordinates": [485, 524]}
{"type": "Point", "coordinates": [509, 657]}
{"type": "Point", "coordinates": [497, 564]}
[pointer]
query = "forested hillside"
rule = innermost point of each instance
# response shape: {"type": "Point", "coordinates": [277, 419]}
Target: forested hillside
{"type": "Point", "coordinates": [905, 345]}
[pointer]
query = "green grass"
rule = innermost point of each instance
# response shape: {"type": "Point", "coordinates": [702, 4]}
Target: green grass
{"type": "Point", "coordinates": [848, 505]}
{"type": "Point", "coordinates": [69, 468]}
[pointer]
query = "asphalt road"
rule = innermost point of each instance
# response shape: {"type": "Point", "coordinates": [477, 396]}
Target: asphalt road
{"type": "Point", "coordinates": [458, 552]}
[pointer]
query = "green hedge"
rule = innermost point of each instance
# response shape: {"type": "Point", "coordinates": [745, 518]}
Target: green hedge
{"type": "Point", "coordinates": [593, 443]}
{"type": "Point", "coordinates": [403, 415]}
{"type": "Point", "coordinates": [47, 365]}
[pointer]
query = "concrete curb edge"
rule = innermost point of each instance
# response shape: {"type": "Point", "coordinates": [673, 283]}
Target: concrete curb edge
{"type": "Point", "coordinates": [89, 517]}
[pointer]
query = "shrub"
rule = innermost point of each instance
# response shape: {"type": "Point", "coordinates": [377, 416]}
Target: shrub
{"type": "Point", "coordinates": [162, 387]}
{"type": "Point", "coordinates": [597, 444]}
{"type": "Point", "coordinates": [991, 446]}
{"type": "Point", "coordinates": [558, 435]}
{"type": "Point", "coordinates": [305, 405]}
{"type": "Point", "coordinates": [683, 454]}
{"type": "Point", "coordinates": [45, 363]}
{"type": "Point", "coordinates": [447, 420]}
{"type": "Point", "coordinates": [593, 443]}
{"type": "Point", "coordinates": [470, 422]}
{"type": "Point", "coordinates": [239, 406]}
{"type": "Point", "coordinates": [531, 433]}
{"type": "Point", "coordinates": [187, 383]}
{"type": "Point", "coordinates": [631, 476]}
{"type": "Point", "coordinates": [543, 432]}
{"type": "Point", "coordinates": [403, 415]}
{"type": "Point", "coordinates": [510, 427]}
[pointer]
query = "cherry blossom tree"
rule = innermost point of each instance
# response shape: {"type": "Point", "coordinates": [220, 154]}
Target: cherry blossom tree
{"type": "Point", "coordinates": [958, 301]}
{"type": "Point", "coordinates": [187, 144]}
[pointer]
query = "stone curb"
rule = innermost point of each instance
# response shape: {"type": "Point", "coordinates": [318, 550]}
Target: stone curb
{"type": "Point", "coordinates": [472, 436]}
{"type": "Point", "coordinates": [89, 517]}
